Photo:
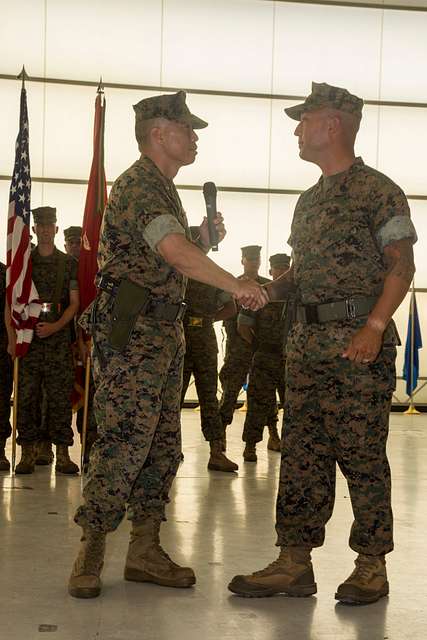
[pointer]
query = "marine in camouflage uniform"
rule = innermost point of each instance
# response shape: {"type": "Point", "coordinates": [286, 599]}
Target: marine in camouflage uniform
{"type": "Point", "coordinates": [351, 237]}
{"type": "Point", "coordinates": [6, 376]}
{"type": "Point", "coordinates": [238, 353]}
{"type": "Point", "coordinates": [46, 369]}
{"type": "Point", "coordinates": [72, 245]}
{"type": "Point", "coordinates": [138, 348]}
{"type": "Point", "coordinates": [267, 372]}
{"type": "Point", "coordinates": [204, 304]}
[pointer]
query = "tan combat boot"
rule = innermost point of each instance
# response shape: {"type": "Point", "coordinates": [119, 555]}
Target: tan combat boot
{"type": "Point", "coordinates": [44, 453]}
{"type": "Point", "coordinates": [218, 461]}
{"type": "Point", "coordinates": [4, 462]}
{"type": "Point", "coordinates": [368, 582]}
{"type": "Point", "coordinates": [85, 580]}
{"type": "Point", "coordinates": [146, 561]}
{"type": "Point", "coordinates": [63, 462]}
{"type": "Point", "coordinates": [249, 454]}
{"type": "Point", "coordinates": [273, 440]}
{"type": "Point", "coordinates": [26, 464]}
{"type": "Point", "coordinates": [291, 573]}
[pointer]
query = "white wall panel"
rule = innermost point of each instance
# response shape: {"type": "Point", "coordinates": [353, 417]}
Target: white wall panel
{"type": "Point", "coordinates": [338, 45]}
{"type": "Point", "coordinates": [234, 148]}
{"type": "Point", "coordinates": [404, 56]}
{"type": "Point", "coordinates": [119, 40]}
{"type": "Point", "coordinates": [402, 145]}
{"type": "Point", "coordinates": [22, 36]}
{"type": "Point", "coordinates": [218, 45]}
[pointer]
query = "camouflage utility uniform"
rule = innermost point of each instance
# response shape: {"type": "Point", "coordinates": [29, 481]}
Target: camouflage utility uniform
{"type": "Point", "coordinates": [137, 399]}
{"type": "Point", "coordinates": [47, 368]}
{"type": "Point", "coordinates": [234, 371]}
{"type": "Point", "coordinates": [267, 372]}
{"type": "Point", "coordinates": [5, 366]}
{"type": "Point", "coordinates": [201, 355]}
{"type": "Point", "coordinates": [337, 410]}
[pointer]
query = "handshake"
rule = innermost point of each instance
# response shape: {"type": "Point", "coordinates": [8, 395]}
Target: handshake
{"type": "Point", "coordinates": [250, 295]}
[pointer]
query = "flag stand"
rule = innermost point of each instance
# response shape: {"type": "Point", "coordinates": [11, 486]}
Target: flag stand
{"type": "Point", "coordinates": [15, 410]}
{"type": "Point", "coordinates": [411, 410]}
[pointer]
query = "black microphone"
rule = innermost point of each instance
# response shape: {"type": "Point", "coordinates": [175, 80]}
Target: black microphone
{"type": "Point", "coordinates": [209, 192]}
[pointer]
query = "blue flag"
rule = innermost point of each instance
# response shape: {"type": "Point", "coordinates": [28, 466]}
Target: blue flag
{"type": "Point", "coordinates": [411, 349]}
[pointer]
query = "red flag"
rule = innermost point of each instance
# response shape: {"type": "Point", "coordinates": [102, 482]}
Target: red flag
{"type": "Point", "coordinates": [22, 296]}
{"type": "Point", "coordinates": [96, 200]}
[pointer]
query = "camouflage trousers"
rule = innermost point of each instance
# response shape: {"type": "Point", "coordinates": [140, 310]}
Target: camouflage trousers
{"type": "Point", "coordinates": [6, 369]}
{"type": "Point", "coordinates": [201, 360]}
{"type": "Point", "coordinates": [266, 377]}
{"type": "Point", "coordinates": [337, 412]}
{"type": "Point", "coordinates": [233, 374]}
{"type": "Point", "coordinates": [46, 370]}
{"type": "Point", "coordinates": [136, 455]}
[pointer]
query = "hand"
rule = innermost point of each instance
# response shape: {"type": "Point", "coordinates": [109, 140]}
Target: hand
{"type": "Point", "coordinates": [84, 349]}
{"type": "Point", "coordinates": [250, 295]}
{"type": "Point", "coordinates": [365, 345]}
{"type": "Point", "coordinates": [11, 347]}
{"type": "Point", "coordinates": [45, 329]}
{"type": "Point", "coordinates": [204, 229]}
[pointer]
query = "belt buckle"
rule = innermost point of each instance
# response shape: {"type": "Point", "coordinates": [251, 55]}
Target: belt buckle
{"type": "Point", "coordinates": [195, 322]}
{"type": "Point", "coordinates": [181, 311]}
{"type": "Point", "coordinates": [350, 307]}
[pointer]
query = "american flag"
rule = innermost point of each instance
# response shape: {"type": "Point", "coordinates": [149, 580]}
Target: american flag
{"type": "Point", "coordinates": [21, 293]}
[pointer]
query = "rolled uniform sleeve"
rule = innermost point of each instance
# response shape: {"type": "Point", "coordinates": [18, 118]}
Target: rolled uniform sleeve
{"type": "Point", "coordinates": [392, 220]}
{"type": "Point", "coordinates": [160, 227]}
{"type": "Point", "coordinates": [74, 283]}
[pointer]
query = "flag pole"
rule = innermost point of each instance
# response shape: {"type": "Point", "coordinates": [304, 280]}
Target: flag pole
{"type": "Point", "coordinates": [85, 414]}
{"type": "Point", "coordinates": [15, 410]}
{"type": "Point", "coordinates": [411, 410]}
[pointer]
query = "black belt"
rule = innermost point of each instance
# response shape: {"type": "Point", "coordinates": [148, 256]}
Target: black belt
{"type": "Point", "coordinates": [155, 309]}
{"type": "Point", "coordinates": [347, 309]}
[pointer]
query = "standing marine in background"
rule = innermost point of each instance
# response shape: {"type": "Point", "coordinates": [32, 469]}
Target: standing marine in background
{"type": "Point", "coordinates": [205, 305]}
{"type": "Point", "coordinates": [264, 330]}
{"type": "Point", "coordinates": [238, 353]}
{"type": "Point", "coordinates": [47, 367]}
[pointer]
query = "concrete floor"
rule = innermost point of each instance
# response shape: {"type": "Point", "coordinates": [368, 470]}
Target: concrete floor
{"type": "Point", "coordinates": [220, 524]}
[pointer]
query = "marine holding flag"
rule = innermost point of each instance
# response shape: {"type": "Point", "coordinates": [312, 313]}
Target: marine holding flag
{"type": "Point", "coordinates": [96, 200]}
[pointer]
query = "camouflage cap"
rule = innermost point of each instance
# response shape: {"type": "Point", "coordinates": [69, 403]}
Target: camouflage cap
{"type": "Point", "coordinates": [251, 252]}
{"type": "Point", "coordinates": [324, 95]}
{"type": "Point", "coordinates": [280, 260]}
{"type": "Point", "coordinates": [72, 232]}
{"type": "Point", "coordinates": [44, 215]}
{"type": "Point", "coordinates": [170, 106]}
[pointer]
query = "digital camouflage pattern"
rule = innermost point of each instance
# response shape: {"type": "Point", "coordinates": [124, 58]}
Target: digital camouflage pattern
{"type": "Point", "coordinates": [46, 370]}
{"type": "Point", "coordinates": [337, 411]}
{"type": "Point", "coordinates": [137, 400]}
{"type": "Point", "coordinates": [201, 353]}
{"type": "Point", "coordinates": [325, 95]}
{"type": "Point", "coordinates": [267, 371]}
{"type": "Point", "coordinates": [234, 371]}
{"type": "Point", "coordinates": [170, 106]}
{"type": "Point", "coordinates": [6, 367]}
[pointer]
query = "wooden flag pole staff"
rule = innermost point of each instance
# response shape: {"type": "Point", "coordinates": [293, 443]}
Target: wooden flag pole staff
{"type": "Point", "coordinates": [85, 414]}
{"type": "Point", "coordinates": [15, 410]}
{"type": "Point", "coordinates": [411, 410]}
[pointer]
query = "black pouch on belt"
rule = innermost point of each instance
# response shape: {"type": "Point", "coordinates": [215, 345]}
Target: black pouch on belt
{"type": "Point", "coordinates": [130, 300]}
